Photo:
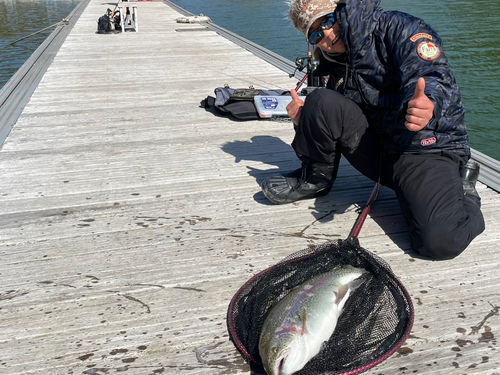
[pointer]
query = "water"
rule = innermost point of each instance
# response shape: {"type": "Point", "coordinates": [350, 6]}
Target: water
{"type": "Point", "coordinates": [469, 31]}
{"type": "Point", "coordinates": [19, 18]}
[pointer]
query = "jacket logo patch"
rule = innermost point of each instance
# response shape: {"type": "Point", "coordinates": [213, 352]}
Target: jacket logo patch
{"type": "Point", "coordinates": [418, 36]}
{"type": "Point", "coordinates": [428, 141]}
{"type": "Point", "coordinates": [428, 51]}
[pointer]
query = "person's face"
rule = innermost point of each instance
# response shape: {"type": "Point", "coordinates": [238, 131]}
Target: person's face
{"type": "Point", "coordinates": [332, 40]}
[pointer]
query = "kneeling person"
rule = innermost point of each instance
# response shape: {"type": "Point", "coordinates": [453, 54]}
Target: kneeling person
{"type": "Point", "coordinates": [393, 110]}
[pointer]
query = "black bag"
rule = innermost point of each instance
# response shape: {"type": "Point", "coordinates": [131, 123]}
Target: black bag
{"type": "Point", "coordinates": [238, 102]}
{"type": "Point", "coordinates": [104, 24]}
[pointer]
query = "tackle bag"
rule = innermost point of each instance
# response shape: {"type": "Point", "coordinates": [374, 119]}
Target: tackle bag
{"type": "Point", "coordinates": [104, 24]}
{"type": "Point", "coordinates": [238, 102]}
{"type": "Point", "coordinates": [109, 22]}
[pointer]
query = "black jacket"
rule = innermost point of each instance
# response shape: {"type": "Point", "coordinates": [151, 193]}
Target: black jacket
{"type": "Point", "coordinates": [386, 53]}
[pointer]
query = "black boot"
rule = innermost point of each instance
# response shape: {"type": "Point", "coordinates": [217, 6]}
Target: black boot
{"type": "Point", "coordinates": [313, 180]}
{"type": "Point", "coordinates": [470, 174]}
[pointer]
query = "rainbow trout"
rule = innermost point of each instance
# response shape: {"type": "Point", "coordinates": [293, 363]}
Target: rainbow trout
{"type": "Point", "coordinates": [297, 326]}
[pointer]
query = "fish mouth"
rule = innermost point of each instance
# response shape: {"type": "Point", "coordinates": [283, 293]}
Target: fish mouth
{"type": "Point", "coordinates": [281, 365]}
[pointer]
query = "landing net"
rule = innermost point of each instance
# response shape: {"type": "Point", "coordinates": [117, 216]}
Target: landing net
{"type": "Point", "coordinates": [376, 321]}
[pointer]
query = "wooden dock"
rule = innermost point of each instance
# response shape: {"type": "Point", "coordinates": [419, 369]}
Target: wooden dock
{"type": "Point", "coordinates": [130, 216]}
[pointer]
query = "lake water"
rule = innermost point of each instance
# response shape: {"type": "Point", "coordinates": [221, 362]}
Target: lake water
{"type": "Point", "coordinates": [19, 18]}
{"type": "Point", "coordinates": [469, 29]}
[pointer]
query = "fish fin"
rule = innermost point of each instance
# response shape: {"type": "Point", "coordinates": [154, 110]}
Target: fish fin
{"type": "Point", "coordinates": [346, 290]}
{"type": "Point", "coordinates": [303, 316]}
{"type": "Point", "coordinates": [343, 290]}
{"type": "Point", "coordinates": [356, 283]}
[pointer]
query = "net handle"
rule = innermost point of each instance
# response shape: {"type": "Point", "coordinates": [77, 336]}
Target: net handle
{"type": "Point", "coordinates": [364, 213]}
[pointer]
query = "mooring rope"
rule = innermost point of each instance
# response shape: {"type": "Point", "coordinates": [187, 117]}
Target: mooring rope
{"type": "Point", "coordinates": [63, 22]}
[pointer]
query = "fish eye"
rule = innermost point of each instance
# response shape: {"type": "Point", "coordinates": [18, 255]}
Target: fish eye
{"type": "Point", "coordinates": [275, 350]}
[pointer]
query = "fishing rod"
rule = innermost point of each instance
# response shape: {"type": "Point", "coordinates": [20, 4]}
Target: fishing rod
{"type": "Point", "coordinates": [307, 62]}
{"type": "Point", "coordinates": [63, 22]}
{"type": "Point", "coordinates": [300, 83]}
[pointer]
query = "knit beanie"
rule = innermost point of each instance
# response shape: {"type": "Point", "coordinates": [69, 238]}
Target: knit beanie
{"type": "Point", "coordinates": [303, 13]}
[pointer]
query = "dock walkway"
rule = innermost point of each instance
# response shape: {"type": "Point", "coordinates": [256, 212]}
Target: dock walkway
{"type": "Point", "coordinates": [130, 216]}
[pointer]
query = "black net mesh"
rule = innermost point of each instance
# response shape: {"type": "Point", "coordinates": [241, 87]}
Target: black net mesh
{"type": "Point", "coordinates": [376, 319]}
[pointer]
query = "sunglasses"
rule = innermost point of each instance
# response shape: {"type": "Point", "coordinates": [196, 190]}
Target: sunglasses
{"type": "Point", "coordinates": [326, 24]}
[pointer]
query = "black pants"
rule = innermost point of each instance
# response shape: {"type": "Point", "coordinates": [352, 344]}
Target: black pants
{"type": "Point", "coordinates": [441, 219]}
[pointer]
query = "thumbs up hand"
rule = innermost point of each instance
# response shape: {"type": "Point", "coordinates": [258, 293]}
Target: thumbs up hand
{"type": "Point", "coordinates": [294, 108]}
{"type": "Point", "coordinates": [420, 109]}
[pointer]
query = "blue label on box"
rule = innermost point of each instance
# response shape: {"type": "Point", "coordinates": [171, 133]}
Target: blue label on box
{"type": "Point", "coordinates": [269, 102]}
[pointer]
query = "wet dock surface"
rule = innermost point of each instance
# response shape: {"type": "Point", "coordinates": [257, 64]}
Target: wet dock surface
{"type": "Point", "coordinates": [130, 216]}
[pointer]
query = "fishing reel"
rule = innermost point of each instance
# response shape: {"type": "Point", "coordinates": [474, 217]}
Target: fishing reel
{"type": "Point", "coordinates": [307, 62]}
{"type": "Point", "coordinates": [303, 62]}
